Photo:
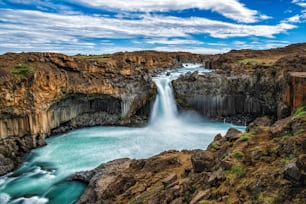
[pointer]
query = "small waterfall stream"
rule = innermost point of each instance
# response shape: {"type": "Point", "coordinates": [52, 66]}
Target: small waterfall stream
{"type": "Point", "coordinates": [42, 177]}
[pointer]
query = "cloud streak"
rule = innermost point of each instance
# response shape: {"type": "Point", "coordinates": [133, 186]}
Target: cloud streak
{"type": "Point", "coordinates": [231, 9]}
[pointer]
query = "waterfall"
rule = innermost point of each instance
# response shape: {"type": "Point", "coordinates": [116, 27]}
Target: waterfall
{"type": "Point", "coordinates": [164, 112]}
{"type": "Point", "coordinates": [164, 108]}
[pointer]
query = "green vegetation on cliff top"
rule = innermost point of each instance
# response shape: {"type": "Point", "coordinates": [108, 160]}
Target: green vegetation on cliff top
{"type": "Point", "coordinates": [23, 70]}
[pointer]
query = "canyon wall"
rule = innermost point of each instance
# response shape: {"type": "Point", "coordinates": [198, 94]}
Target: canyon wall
{"type": "Point", "coordinates": [242, 88]}
{"type": "Point", "coordinates": [295, 89]}
{"type": "Point", "coordinates": [221, 96]}
{"type": "Point", "coordinates": [47, 93]}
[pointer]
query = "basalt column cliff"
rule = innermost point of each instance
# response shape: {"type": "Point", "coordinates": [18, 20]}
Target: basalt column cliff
{"type": "Point", "coordinates": [247, 84]}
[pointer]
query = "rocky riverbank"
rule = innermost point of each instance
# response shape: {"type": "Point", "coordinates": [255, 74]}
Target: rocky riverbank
{"type": "Point", "coordinates": [267, 164]}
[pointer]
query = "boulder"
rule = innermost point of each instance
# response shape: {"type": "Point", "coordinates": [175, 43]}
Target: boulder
{"type": "Point", "coordinates": [202, 160]}
{"type": "Point", "coordinates": [292, 172]}
{"type": "Point", "coordinates": [259, 122]}
{"type": "Point", "coordinates": [6, 165]}
{"type": "Point", "coordinates": [232, 134]}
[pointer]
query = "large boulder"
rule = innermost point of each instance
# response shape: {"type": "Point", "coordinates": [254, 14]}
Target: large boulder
{"type": "Point", "coordinates": [202, 160]}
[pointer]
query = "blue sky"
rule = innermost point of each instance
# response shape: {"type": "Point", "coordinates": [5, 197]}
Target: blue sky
{"type": "Point", "coordinates": [107, 26]}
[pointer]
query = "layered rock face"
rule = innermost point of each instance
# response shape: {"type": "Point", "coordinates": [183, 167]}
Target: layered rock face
{"type": "Point", "coordinates": [265, 165]}
{"type": "Point", "coordinates": [295, 90]}
{"type": "Point", "coordinates": [225, 96]}
{"type": "Point", "coordinates": [246, 84]}
{"type": "Point", "coordinates": [46, 93]}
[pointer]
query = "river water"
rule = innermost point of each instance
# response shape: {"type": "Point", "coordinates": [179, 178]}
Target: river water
{"type": "Point", "coordinates": [41, 178]}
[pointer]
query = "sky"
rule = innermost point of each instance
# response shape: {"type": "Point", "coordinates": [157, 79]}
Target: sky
{"type": "Point", "coordinates": [108, 26]}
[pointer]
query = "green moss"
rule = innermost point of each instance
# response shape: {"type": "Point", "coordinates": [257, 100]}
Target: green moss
{"type": "Point", "coordinates": [233, 173]}
{"type": "Point", "coordinates": [22, 70]}
{"type": "Point", "coordinates": [131, 201]}
{"type": "Point", "coordinates": [250, 61]}
{"type": "Point", "coordinates": [238, 155]}
{"type": "Point", "coordinates": [298, 132]}
{"type": "Point", "coordinates": [214, 146]}
{"type": "Point", "coordinates": [237, 170]}
{"type": "Point", "coordinates": [246, 136]}
{"type": "Point", "coordinates": [228, 200]}
{"type": "Point", "coordinates": [267, 198]}
{"type": "Point", "coordinates": [94, 56]}
{"type": "Point", "coordinates": [300, 111]}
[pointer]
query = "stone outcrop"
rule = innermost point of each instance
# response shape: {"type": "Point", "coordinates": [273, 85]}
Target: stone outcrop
{"type": "Point", "coordinates": [295, 90]}
{"type": "Point", "coordinates": [255, 167]}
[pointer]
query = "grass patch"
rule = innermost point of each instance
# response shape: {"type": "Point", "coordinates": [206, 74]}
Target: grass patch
{"type": "Point", "coordinates": [237, 170]}
{"type": "Point", "coordinates": [233, 173]}
{"type": "Point", "coordinates": [246, 136]}
{"type": "Point", "coordinates": [267, 198]}
{"type": "Point", "coordinates": [250, 61]}
{"type": "Point", "coordinates": [23, 70]}
{"type": "Point", "coordinates": [300, 111]}
{"type": "Point", "coordinates": [94, 56]}
{"type": "Point", "coordinates": [238, 155]}
{"type": "Point", "coordinates": [214, 146]}
{"type": "Point", "coordinates": [298, 132]}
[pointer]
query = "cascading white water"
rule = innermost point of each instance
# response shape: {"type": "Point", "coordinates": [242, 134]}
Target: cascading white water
{"type": "Point", "coordinates": [164, 108]}
{"type": "Point", "coordinates": [41, 179]}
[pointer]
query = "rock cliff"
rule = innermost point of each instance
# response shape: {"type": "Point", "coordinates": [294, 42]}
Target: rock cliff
{"type": "Point", "coordinates": [267, 164]}
{"type": "Point", "coordinates": [246, 84]}
{"type": "Point", "coordinates": [48, 93]}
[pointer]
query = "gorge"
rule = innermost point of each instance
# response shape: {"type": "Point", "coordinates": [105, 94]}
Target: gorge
{"type": "Point", "coordinates": [41, 177]}
{"type": "Point", "coordinates": [62, 93]}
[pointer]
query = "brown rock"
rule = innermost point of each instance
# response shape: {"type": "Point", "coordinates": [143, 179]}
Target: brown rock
{"type": "Point", "coordinates": [295, 90]}
{"type": "Point", "coordinates": [301, 162]}
{"type": "Point", "coordinates": [200, 195]}
{"type": "Point", "coordinates": [169, 180]}
{"type": "Point", "coordinates": [232, 134]}
{"type": "Point", "coordinates": [259, 122]}
{"type": "Point", "coordinates": [202, 160]}
{"type": "Point", "coordinates": [292, 172]}
{"type": "Point", "coordinates": [216, 177]}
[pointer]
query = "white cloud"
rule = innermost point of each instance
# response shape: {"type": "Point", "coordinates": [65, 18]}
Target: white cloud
{"type": "Point", "coordinates": [199, 50]}
{"type": "Point", "coordinates": [301, 3]}
{"type": "Point", "coordinates": [298, 18]}
{"type": "Point", "coordinates": [232, 9]}
{"type": "Point", "coordinates": [265, 17]}
{"type": "Point", "coordinates": [168, 41]}
{"type": "Point", "coordinates": [294, 19]}
{"type": "Point", "coordinates": [41, 29]}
